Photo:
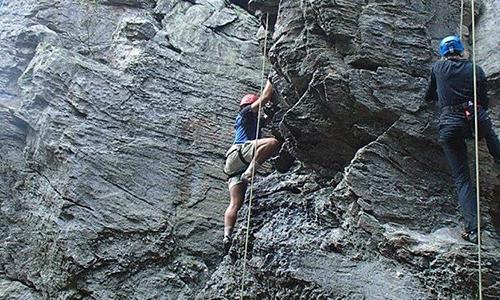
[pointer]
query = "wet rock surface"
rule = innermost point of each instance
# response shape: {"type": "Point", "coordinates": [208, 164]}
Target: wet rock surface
{"type": "Point", "coordinates": [115, 116]}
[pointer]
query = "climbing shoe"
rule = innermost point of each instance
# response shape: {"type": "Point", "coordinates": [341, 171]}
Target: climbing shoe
{"type": "Point", "coordinates": [227, 241]}
{"type": "Point", "coordinates": [470, 236]}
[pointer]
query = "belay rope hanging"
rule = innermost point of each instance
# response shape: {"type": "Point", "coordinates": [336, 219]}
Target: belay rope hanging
{"type": "Point", "coordinates": [461, 20]}
{"type": "Point", "coordinates": [476, 146]}
{"type": "Point", "coordinates": [476, 138]}
{"type": "Point", "coordinates": [249, 215]}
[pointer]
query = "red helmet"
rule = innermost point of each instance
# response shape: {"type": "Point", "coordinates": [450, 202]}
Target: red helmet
{"type": "Point", "coordinates": [248, 99]}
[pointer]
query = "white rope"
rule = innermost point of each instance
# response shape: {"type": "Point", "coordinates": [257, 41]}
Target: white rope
{"type": "Point", "coordinates": [476, 140]}
{"type": "Point", "coordinates": [461, 19]}
{"type": "Point", "coordinates": [242, 290]}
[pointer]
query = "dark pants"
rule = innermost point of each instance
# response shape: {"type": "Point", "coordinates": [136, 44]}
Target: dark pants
{"type": "Point", "coordinates": [453, 130]}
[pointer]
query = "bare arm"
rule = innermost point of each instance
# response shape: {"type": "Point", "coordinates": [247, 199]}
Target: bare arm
{"type": "Point", "coordinates": [267, 94]}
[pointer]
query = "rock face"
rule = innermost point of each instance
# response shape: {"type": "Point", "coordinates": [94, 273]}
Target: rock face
{"type": "Point", "coordinates": [113, 134]}
{"type": "Point", "coordinates": [115, 116]}
{"type": "Point", "coordinates": [387, 225]}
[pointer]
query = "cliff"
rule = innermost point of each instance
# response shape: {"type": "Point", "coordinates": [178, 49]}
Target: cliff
{"type": "Point", "coordinates": [116, 114]}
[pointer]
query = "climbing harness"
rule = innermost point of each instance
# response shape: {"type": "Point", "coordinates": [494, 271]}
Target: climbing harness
{"type": "Point", "coordinates": [476, 142]}
{"type": "Point", "coordinates": [242, 290]}
{"type": "Point", "coordinates": [236, 162]}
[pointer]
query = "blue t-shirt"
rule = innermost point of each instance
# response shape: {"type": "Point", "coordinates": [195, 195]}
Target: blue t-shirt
{"type": "Point", "coordinates": [245, 126]}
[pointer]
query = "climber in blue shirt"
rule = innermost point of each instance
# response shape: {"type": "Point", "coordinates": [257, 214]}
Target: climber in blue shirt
{"type": "Point", "coordinates": [240, 160]}
{"type": "Point", "coordinates": [451, 84]}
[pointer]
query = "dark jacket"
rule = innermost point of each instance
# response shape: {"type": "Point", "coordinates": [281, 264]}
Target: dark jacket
{"type": "Point", "coordinates": [451, 83]}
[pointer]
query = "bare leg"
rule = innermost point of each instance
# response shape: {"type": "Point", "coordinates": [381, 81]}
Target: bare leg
{"type": "Point", "coordinates": [265, 149]}
{"type": "Point", "coordinates": [237, 194]}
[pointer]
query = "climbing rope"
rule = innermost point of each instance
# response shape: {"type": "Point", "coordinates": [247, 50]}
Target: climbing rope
{"type": "Point", "coordinates": [242, 290]}
{"type": "Point", "coordinates": [476, 141]}
{"type": "Point", "coordinates": [461, 19]}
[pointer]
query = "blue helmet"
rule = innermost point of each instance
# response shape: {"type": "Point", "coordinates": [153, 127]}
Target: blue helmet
{"type": "Point", "coordinates": [451, 45]}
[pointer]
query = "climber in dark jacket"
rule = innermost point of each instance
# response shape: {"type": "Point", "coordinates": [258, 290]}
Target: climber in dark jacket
{"type": "Point", "coordinates": [240, 162]}
{"type": "Point", "coordinates": [451, 84]}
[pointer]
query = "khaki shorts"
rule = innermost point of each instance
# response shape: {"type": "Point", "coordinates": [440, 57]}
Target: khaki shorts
{"type": "Point", "coordinates": [234, 165]}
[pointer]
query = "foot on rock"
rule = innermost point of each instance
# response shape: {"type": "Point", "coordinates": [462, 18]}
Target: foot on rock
{"type": "Point", "coordinates": [251, 170]}
{"type": "Point", "coordinates": [470, 236]}
{"type": "Point", "coordinates": [227, 241]}
{"type": "Point", "coordinates": [246, 177]}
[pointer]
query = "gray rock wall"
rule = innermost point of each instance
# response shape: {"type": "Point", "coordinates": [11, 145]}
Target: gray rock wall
{"type": "Point", "coordinates": [115, 116]}
{"type": "Point", "coordinates": [387, 226]}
